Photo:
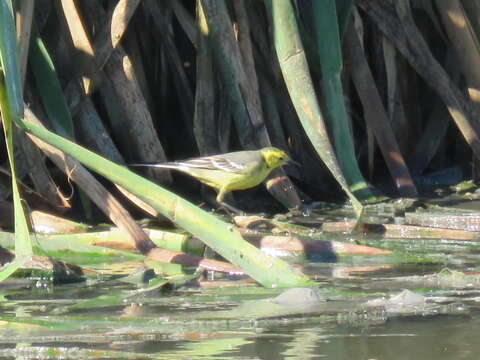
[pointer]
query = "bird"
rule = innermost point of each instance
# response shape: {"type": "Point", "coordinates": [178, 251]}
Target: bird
{"type": "Point", "coordinates": [232, 171]}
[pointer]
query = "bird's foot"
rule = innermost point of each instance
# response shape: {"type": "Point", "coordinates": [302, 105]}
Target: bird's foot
{"type": "Point", "coordinates": [232, 209]}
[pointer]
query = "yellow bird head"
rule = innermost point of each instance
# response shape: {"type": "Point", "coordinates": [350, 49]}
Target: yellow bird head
{"type": "Point", "coordinates": [275, 157]}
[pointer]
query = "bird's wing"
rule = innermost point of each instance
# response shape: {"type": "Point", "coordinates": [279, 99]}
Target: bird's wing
{"type": "Point", "coordinates": [213, 163]}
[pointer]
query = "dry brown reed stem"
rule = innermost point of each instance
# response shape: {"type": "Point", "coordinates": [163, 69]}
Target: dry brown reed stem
{"type": "Point", "coordinates": [400, 28]}
{"type": "Point", "coordinates": [376, 116]}
{"type": "Point", "coordinates": [137, 126]}
{"type": "Point", "coordinates": [30, 159]}
{"type": "Point", "coordinates": [23, 20]}
{"type": "Point", "coordinates": [92, 187]}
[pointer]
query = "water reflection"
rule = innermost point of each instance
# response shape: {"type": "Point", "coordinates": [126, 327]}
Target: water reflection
{"type": "Point", "coordinates": [180, 327]}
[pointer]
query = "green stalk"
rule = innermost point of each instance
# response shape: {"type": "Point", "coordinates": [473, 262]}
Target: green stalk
{"type": "Point", "coordinates": [293, 63]}
{"type": "Point", "coordinates": [9, 60]}
{"type": "Point", "coordinates": [23, 244]}
{"type": "Point", "coordinates": [330, 53]}
{"type": "Point", "coordinates": [11, 107]}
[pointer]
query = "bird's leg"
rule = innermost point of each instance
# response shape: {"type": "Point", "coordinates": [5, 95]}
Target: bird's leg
{"type": "Point", "coordinates": [228, 207]}
{"type": "Point", "coordinates": [232, 209]}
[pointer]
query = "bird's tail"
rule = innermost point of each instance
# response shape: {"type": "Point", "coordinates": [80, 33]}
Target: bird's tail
{"type": "Point", "coordinates": [156, 165]}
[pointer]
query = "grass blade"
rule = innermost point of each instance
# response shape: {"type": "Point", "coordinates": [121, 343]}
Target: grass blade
{"type": "Point", "coordinates": [49, 87]}
{"type": "Point", "coordinates": [11, 106]}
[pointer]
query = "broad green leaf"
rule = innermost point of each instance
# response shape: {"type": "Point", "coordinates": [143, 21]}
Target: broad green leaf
{"type": "Point", "coordinates": [49, 87]}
